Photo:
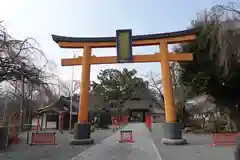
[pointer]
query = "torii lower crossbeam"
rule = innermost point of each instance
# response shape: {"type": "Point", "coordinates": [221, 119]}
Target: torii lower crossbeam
{"type": "Point", "coordinates": [136, 59]}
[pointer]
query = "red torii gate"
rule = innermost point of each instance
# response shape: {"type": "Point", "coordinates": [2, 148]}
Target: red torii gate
{"type": "Point", "coordinates": [124, 42]}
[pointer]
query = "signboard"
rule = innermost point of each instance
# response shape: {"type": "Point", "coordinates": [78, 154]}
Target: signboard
{"type": "Point", "coordinates": [124, 46]}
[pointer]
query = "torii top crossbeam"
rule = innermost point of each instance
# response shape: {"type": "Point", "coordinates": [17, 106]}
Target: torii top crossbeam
{"type": "Point", "coordinates": [139, 40]}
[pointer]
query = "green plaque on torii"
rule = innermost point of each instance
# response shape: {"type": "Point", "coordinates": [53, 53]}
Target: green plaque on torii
{"type": "Point", "coordinates": [124, 45]}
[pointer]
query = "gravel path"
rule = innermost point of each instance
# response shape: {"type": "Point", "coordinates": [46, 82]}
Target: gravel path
{"type": "Point", "coordinates": [197, 149]}
{"type": "Point", "coordinates": [61, 151]}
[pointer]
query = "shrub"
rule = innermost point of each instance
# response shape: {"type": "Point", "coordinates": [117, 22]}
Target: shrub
{"type": "Point", "coordinates": [104, 119]}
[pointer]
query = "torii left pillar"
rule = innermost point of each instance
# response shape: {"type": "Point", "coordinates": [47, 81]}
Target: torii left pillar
{"type": "Point", "coordinates": [82, 129]}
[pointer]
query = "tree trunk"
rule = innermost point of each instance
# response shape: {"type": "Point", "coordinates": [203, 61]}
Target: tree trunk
{"type": "Point", "coordinates": [22, 108]}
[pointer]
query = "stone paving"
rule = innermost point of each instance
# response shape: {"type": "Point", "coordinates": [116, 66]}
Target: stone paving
{"type": "Point", "coordinates": [142, 149]}
{"type": "Point", "coordinates": [62, 151]}
{"type": "Point", "coordinates": [198, 148]}
{"type": "Point", "coordinates": [147, 146]}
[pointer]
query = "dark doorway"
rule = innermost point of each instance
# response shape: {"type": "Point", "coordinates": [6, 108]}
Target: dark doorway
{"type": "Point", "coordinates": [66, 121]}
{"type": "Point", "coordinates": [138, 115]}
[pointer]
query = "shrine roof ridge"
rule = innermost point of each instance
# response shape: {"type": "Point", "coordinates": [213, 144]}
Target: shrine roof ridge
{"type": "Point", "coordinates": [187, 32]}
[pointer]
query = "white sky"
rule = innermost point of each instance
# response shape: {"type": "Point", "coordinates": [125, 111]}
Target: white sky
{"type": "Point", "coordinates": [41, 18]}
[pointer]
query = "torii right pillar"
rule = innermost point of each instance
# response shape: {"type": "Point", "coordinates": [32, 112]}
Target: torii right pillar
{"type": "Point", "coordinates": [172, 128]}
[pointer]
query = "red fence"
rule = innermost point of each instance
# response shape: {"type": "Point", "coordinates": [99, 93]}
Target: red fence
{"type": "Point", "coordinates": [223, 139]}
{"type": "Point", "coordinates": [43, 138]}
{"type": "Point", "coordinates": [124, 119]}
{"type": "Point", "coordinates": [117, 120]}
{"type": "Point", "coordinates": [126, 136]}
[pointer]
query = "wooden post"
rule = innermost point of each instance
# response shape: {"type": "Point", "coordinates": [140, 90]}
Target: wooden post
{"type": "Point", "coordinates": [59, 122]}
{"type": "Point", "coordinates": [167, 84]}
{"type": "Point", "coordinates": [41, 125]}
{"type": "Point", "coordinates": [83, 105]}
{"type": "Point", "coordinates": [45, 117]}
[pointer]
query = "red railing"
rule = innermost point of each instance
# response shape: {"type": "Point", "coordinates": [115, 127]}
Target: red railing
{"type": "Point", "coordinates": [126, 136]}
{"type": "Point", "coordinates": [223, 139]}
{"type": "Point", "coordinates": [43, 138]}
{"type": "Point", "coordinates": [124, 119]}
{"type": "Point", "coordinates": [117, 120]}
